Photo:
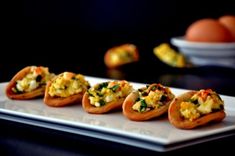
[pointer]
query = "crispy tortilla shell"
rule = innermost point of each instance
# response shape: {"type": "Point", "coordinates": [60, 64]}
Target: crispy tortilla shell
{"type": "Point", "coordinates": [23, 96]}
{"type": "Point", "coordinates": [178, 121]}
{"type": "Point", "coordinates": [141, 116]}
{"type": "Point", "coordinates": [61, 101]}
{"type": "Point", "coordinates": [88, 107]}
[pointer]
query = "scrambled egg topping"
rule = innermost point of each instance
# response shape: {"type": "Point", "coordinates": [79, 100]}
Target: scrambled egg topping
{"type": "Point", "coordinates": [123, 54]}
{"type": "Point", "coordinates": [153, 96]}
{"type": "Point", "coordinates": [106, 92]}
{"type": "Point", "coordinates": [201, 103]}
{"type": "Point", "coordinates": [37, 77]}
{"type": "Point", "coordinates": [67, 84]}
{"type": "Point", "coordinates": [168, 55]}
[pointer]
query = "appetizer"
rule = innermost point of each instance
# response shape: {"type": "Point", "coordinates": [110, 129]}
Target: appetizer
{"type": "Point", "coordinates": [196, 108]}
{"type": "Point", "coordinates": [169, 56]}
{"type": "Point", "coordinates": [121, 55]}
{"type": "Point", "coordinates": [66, 88]}
{"type": "Point", "coordinates": [29, 83]}
{"type": "Point", "coordinates": [148, 102]}
{"type": "Point", "coordinates": [106, 96]}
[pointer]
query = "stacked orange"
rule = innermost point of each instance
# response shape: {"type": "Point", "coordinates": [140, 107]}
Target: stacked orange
{"type": "Point", "coordinates": [221, 29]}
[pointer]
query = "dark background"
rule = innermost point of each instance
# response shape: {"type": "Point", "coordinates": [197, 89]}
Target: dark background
{"type": "Point", "coordinates": [84, 29]}
{"type": "Point", "coordinates": [74, 35]}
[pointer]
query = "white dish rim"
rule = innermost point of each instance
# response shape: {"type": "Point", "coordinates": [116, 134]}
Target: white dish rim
{"type": "Point", "coordinates": [181, 42]}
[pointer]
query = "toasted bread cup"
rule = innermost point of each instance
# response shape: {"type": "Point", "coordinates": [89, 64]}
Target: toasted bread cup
{"type": "Point", "coordinates": [157, 107]}
{"type": "Point", "coordinates": [105, 97]}
{"type": "Point", "coordinates": [22, 93]}
{"type": "Point", "coordinates": [120, 55]}
{"type": "Point", "coordinates": [65, 89]}
{"type": "Point", "coordinates": [178, 120]}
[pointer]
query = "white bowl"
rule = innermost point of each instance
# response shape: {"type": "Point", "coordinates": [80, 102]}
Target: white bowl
{"type": "Point", "coordinates": [201, 53]}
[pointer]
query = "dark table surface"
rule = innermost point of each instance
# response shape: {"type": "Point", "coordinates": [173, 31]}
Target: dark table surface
{"type": "Point", "coordinates": [22, 139]}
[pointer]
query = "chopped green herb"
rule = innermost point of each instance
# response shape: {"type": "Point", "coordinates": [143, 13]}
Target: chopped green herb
{"type": "Point", "coordinates": [221, 107]}
{"type": "Point", "coordinates": [143, 105]}
{"type": "Point", "coordinates": [38, 78]}
{"type": "Point", "coordinates": [103, 85]}
{"type": "Point", "coordinates": [194, 101]}
{"type": "Point", "coordinates": [160, 104]}
{"type": "Point", "coordinates": [88, 86]}
{"type": "Point", "coordinates": [138, 99]}
{"type": "Point", "coordinates": [115, 87]}
{"type": "Point", "coordinates": [142, 89]}
{"type": "Point", "coordinates": [161, 88]}
{"type": "Point", "coordinates": [90, 94]}
{"type": "Point", "coordinates": [218, 96]}
{"type": "Point", "coordinates": [99, 94]}
{"type": "Point", "coordinates": [163, 98]}
{"type": "Point", "coordinates": [15, 90]}
{"type": "Point", "coordinates": [154, 88]}
{"type": "Point", "coordinates": [102, 102]}
{"type": "Point", "coordinates": [74, 78]}
{"type": "Point", "coordinates": [144, 93]}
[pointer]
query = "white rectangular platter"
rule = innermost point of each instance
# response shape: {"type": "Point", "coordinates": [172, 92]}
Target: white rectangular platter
{"type": "Point", "coordinates": [157, 135]}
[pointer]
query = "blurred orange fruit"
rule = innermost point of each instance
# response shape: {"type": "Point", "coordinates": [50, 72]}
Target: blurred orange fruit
{"type": "Point", "coordinates": [208, 30]}
{"type": "Point", "coordinates": [229, 22]}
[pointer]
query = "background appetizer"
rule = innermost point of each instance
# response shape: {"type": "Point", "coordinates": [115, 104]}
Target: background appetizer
{"type": "Point", "coordinates": [121, 55]}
